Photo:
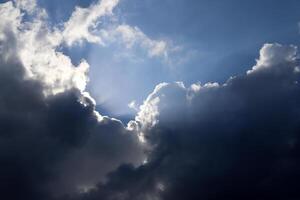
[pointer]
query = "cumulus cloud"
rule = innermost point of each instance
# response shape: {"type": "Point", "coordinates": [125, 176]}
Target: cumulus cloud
{"type": "Point", "coordinates": [35, 46]}
{"type": "Point", "coordinates": [237, 140]}
{"type": "Point", "coordinates": [275, 55]}
{"type": "Point", "coordinates": [52, 140]}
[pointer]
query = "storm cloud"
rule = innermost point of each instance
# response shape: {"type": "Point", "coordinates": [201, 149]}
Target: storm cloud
{"type": "Point", "coordinates": [237, 140]}
{"type": "Point", "coordinates": [232, 140]}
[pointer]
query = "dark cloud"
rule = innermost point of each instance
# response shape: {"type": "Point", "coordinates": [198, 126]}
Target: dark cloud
{"type": "Point", "coordinates": [239, 140]}
{"type": "Point", "coordinates": [52, 145]}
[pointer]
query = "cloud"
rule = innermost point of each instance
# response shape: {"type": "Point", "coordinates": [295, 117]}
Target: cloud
{"type": "Point", "coordinates": [275, 55]}
{"type": "Point", "coordinates": [84, 21]}
{"type": "Point", "coordinates": [38, 41]}
{"type": "Point", "coordinates": [52, 140]}
{"type": "Point", "coordinates": [85, 25]}
{"type": "Point", "coordinates": [131, 36]}
{"type": "Point", "coordinates": [52, 145]}
{"type": "Point", "coordinates": [133, 105]}
{"type": "Point", "coordinates": [36, 45]}
{"type": "Point", "coordinates": [237, 140]}
{"type": "Point", "coordinates": [27, 5]}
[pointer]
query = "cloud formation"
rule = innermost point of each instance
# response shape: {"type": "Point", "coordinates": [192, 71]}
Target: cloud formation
{"type": "Point", "coordinates": [38, 42]}
{"type": "Point", "coordinates": [52, 140]}
{"type": "Point", "coordinates": [237, 140]}
{"type": "Point", "coordinates": [133, 35]}
{"type": "Point", "coordinates": [35, 46]}
{"type": "Point", "coordinates": [85, 24]}
{"type": "Point", "coordinates": [84, 21]}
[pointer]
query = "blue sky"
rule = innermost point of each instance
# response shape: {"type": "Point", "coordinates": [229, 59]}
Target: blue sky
{"type": "Point", "coordinates": [217, 39]}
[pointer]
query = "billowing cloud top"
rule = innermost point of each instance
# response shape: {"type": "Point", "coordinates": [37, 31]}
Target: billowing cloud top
{"type": "Point", "coordinates": [236, 140]}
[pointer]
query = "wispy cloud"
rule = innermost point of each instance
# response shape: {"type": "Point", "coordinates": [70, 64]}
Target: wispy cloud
{"type": "Point", "coordinates": [83, 22]}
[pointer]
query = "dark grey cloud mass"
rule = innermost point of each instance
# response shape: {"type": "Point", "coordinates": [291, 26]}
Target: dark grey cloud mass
{"type": "Point", "coordinates": [53, 145]}
{"type": "Point", "coordinates": [237, 140]}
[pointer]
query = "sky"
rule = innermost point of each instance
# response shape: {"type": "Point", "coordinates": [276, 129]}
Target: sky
{"type": "Point", "coordinates": [217, 39]}
{"type": "Point", "coordinates": [149, 100]}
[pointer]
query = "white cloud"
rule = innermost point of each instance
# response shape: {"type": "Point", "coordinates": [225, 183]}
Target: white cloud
{"type": "Point", "coordinates": [27, 5]}
{"type": "Point", "coordinates": [85, 25]}
{"type": "Point", "coordinates": [37, 42]}
{"type": "Point", "coordinates": [10, 19]}
{"type": "Point", "coordinates": [36, 45]}
{"type": "Point", "coordinates": [160, 99]}
{"type": "Point", "coordinates": [273, 55]}
{"type": "Point", "coordinates": [83, 22]}
{"type": "Point", "coordinates": [133, 105]}
{"type": "Point", "coordinates": [131, 36]}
